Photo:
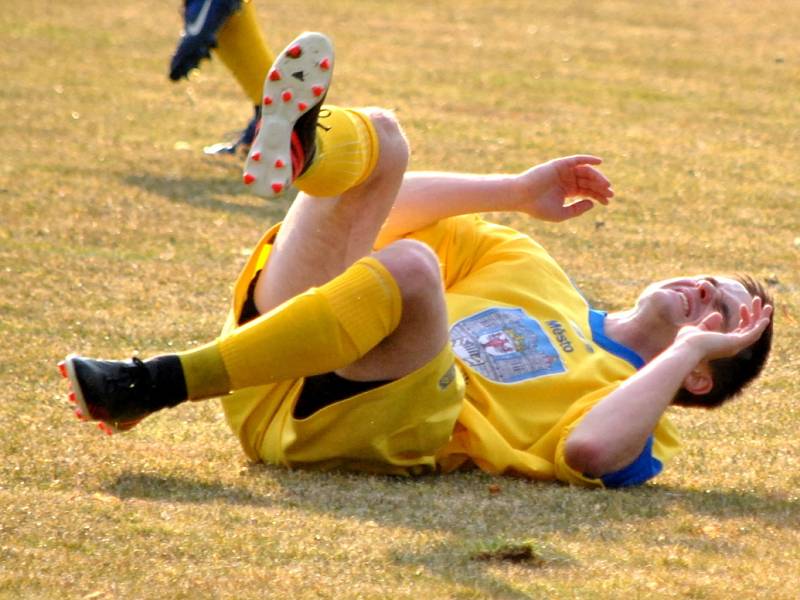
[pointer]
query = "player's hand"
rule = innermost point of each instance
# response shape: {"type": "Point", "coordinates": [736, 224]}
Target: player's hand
{"type": "Point", "coordinates": [545, 189]}
{"type": "Point", "coordinates": [710, 342]}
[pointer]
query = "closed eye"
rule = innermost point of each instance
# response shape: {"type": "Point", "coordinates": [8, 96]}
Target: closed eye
{"type": "Point", "coordinates": [720, 306]}
{"type": "Point", "coordinates": [725, 311]}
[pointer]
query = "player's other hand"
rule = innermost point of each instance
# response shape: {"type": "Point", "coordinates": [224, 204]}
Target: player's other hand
{"type": "Point", "coordinates": [545, 191]}
{"type": "Point", "coordinates": [711, 342]}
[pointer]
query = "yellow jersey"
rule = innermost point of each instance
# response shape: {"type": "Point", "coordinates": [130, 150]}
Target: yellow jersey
{"type": "Point", "coordinates": [533, 353]}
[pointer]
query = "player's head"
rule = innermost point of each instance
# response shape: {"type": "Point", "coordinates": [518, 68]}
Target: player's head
{"type": "Point", "coordinates": [729, 376]}
{"type": "Point", "coordinates": [667, 306]}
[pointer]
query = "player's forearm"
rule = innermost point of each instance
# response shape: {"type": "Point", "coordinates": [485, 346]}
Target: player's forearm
{"type": "Point", "coordinates": [613, 433]}
{"type": "Point", "coordinates": [427, 197]}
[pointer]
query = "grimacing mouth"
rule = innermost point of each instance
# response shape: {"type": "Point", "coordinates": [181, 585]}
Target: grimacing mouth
{"type": "Point", "coordinates": [685, 302]}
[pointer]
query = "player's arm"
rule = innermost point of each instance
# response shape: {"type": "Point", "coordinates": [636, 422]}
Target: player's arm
{"type": "Point", "coordinates": [541, 192]}
{"type": "Point", "coordinates": [613, 433]}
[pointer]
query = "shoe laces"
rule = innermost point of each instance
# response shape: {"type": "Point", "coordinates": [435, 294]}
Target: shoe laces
{"type": "Point", "coordinates": [135, 376]}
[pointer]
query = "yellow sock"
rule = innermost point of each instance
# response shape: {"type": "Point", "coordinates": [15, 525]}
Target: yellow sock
{"type": "Point", "coordinates": [318, 331]}
{"type": "Point", "coordinates": [242, 47]}
{"type": "Point", "coordinates": [204, 372]}
{"type": "Point", "coordinates": [347, 151]}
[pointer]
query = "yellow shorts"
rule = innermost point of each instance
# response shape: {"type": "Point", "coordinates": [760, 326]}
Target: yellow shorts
{"type": "Point", "coordinates": [396, 428]}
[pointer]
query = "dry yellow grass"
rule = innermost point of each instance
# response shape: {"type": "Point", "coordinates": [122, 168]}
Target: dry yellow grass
{"type": "Point", "coordinates": [117, 235]}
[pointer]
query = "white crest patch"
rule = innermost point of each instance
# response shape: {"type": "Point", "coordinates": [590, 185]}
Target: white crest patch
{"type": "Point", "coordinates": [505, 345]}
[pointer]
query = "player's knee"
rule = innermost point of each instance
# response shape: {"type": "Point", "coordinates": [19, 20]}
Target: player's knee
{"type": "Point", "coordinates": [415, 268]}
{"type": "Point", "coordinates": [392, 141]}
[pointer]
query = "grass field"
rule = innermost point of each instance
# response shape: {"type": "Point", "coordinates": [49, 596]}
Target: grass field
{"type": "Point", "coordinates": [118, 236]}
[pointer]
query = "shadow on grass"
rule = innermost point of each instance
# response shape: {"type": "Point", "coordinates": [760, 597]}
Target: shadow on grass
{"type": "Point", "coordinates": [207, 192]}
{"type": "Point", "coordinates": [450, 499]}
{"type": "Point", "coordinates": [728, 504]}
{"type": "Point", "coordinates": [486, 521]}
{"type": "Point", "coordinates": [168, 488]}
{"type": "Point", "coordinates": [464, 559]}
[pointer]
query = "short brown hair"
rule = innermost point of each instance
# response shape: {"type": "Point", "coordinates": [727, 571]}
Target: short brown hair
{"type": "Point", "coordinates": [732, 374]}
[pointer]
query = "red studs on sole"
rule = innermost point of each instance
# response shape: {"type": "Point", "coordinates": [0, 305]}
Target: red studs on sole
{"type": "Point", "coordinates": [301, 106]}
{"type": "Point", "coordinates": [287, 95]}
{"type": "Point", "coordinates": [295, 51]}
{"type": "Point", "coordinates": [267, 100]}
{"type": "Point", "coordinates": [325, 64]}
{"type": "Point", "coordinates": [317, 89]}
{"type": "Point", "coordinates": [277, 187]}
{"type": "Point", "coordinates": [62, 368]}
{"type": "Point", "coordinates": [256, 156]}
{"type": "Point", "coordinates": [279, 164]}
{"type": "Point", "coordinates": [248, 178]}
{"type": "Point", "coordinates": [274, 75]}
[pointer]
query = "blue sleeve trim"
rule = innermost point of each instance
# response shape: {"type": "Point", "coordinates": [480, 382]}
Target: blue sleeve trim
{"type": "Point", "coordinates": [597, 320]}
{"type": "Point", "coordinates": [645, 467]}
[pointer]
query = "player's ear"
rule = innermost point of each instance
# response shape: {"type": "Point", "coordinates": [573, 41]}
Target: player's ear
{"type": "Point", "coordinates": [700, 381]}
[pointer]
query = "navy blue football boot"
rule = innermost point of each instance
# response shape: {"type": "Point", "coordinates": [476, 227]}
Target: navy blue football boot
{"type": "Point", "coordinates": [241, 145]}
{"type": "Point", "coordinates": [202, 21]}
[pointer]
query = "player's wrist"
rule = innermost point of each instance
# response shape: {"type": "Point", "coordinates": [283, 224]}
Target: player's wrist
{"type": "Point", "coordinates": [525, 190]}
{"type": "Point", "coordinates": [690, 348]}
{"type": "Point", "coordinates": [515, 191]}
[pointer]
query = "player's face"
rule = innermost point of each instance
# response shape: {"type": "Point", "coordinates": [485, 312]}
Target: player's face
{"type": "Point", "coordinates": [689, 300]}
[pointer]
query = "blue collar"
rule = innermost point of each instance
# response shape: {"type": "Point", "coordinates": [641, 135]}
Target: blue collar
{"type": "Point", "coordinates": [597, 321]}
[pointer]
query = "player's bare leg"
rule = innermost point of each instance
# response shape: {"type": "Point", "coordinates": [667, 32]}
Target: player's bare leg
{"type": "Point", "coordinates": [323, 236]}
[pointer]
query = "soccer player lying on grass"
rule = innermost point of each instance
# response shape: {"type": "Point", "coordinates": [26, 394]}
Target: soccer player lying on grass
{"type": "Point", "coordinates": [384, 327]}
